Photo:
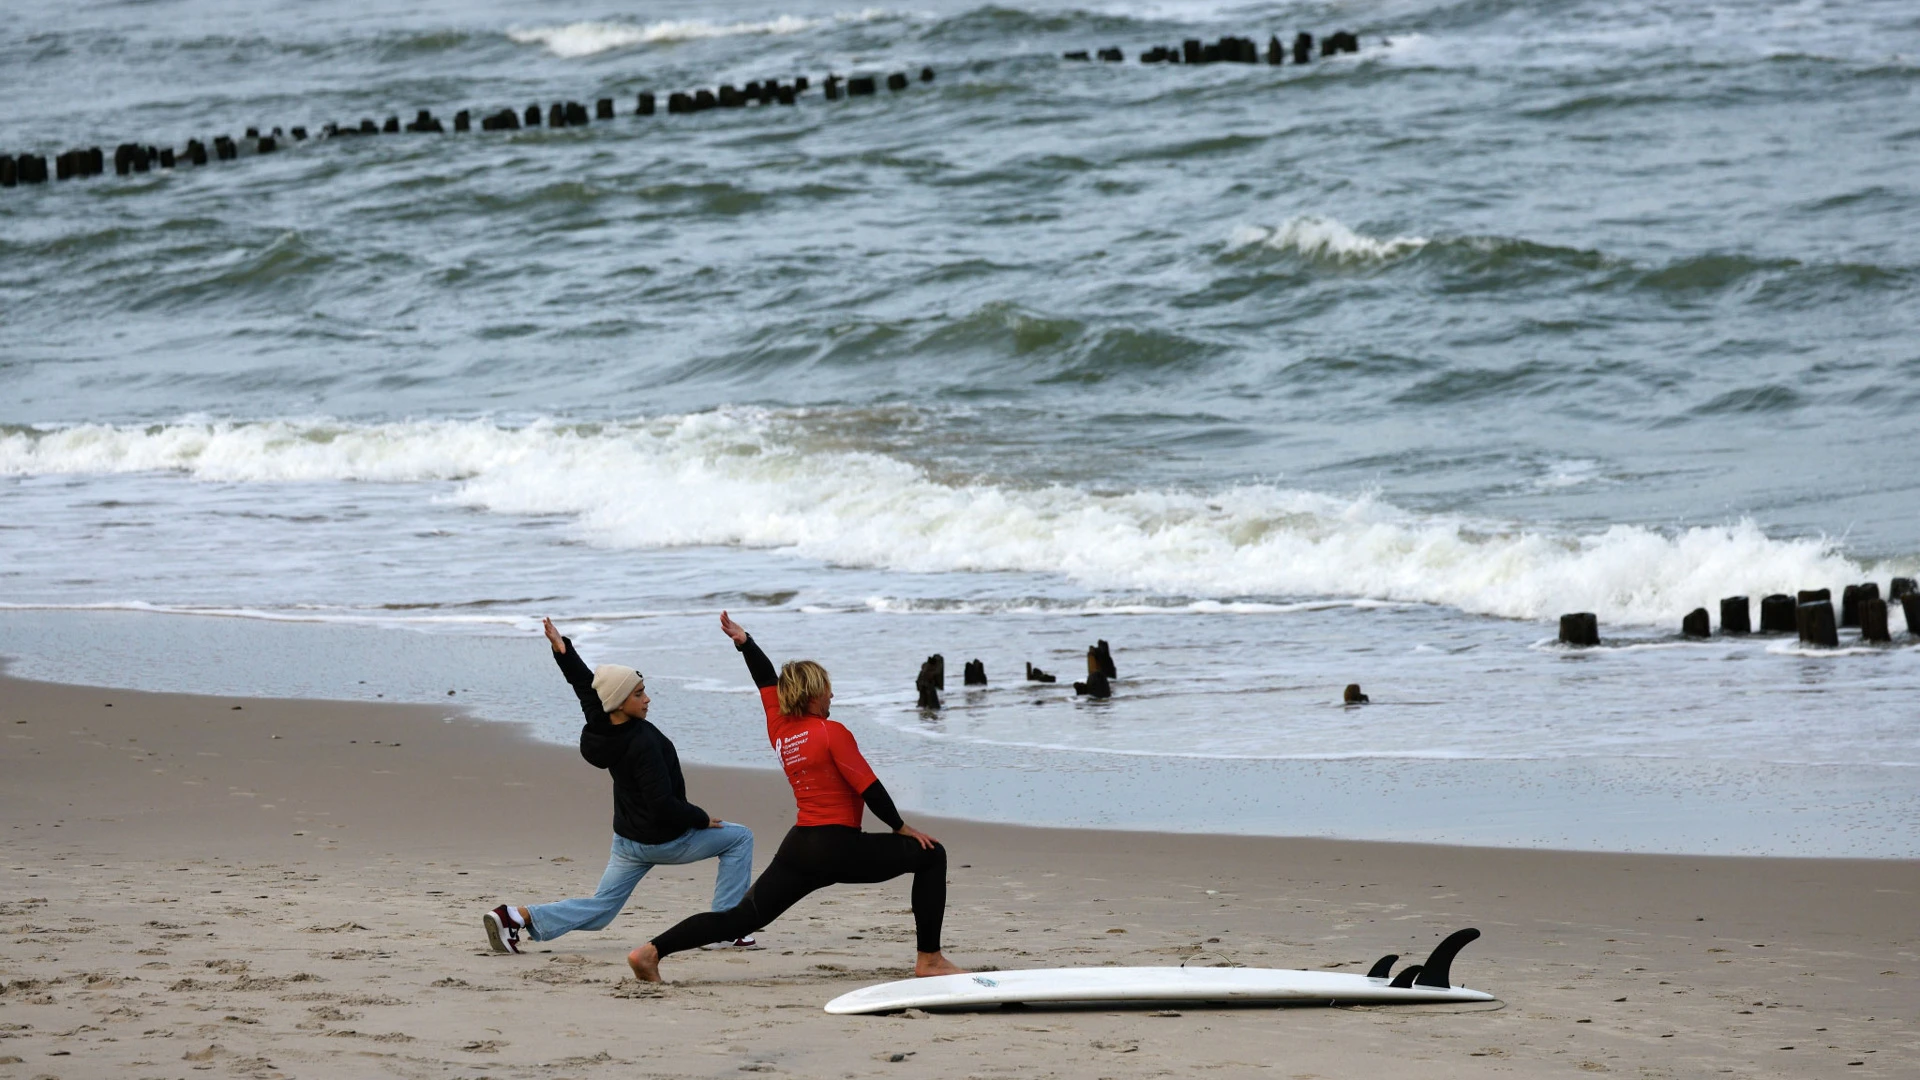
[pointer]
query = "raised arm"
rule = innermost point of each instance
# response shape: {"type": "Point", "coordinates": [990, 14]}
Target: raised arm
{"type": "Point", "coordinates": [758, 665]}
{"type": "Point", "coordinates": [577, 675]}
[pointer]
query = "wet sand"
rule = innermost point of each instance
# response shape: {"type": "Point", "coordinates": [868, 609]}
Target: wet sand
{"type": "Point", "coordinates": [244, 887]}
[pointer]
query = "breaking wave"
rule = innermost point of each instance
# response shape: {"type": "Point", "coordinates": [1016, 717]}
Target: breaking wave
{"type": "Point", "coordinates": [591, 38]}
{"type": "Point", "coordinates": [1317, 237]}
{"type": "Point", "coordinates": [759, 479]}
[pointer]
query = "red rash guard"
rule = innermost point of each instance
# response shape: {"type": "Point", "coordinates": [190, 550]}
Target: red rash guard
{"type": "Point", "coordinates": [823, 764]}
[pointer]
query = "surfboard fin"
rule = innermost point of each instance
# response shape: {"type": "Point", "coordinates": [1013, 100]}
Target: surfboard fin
{"type": "Point", "coordinates": [1438, 969]}
{"type": "Point", "coordinates": [1405, 978]}
{"type": "Point", "coordinates": [1382, 967]}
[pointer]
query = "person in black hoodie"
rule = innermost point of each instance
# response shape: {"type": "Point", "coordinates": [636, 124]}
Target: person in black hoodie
{"type": "Point", "coordinates": [653, 823]}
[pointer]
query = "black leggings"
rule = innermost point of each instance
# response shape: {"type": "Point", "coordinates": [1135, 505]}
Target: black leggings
{"type": "Point", "coordinates": [813, 857]}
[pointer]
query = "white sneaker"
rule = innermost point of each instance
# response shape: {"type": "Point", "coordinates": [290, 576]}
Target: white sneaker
{"type": "Point", "coordinates": [503, 930]}
{"type": "Point", "coordinates": [743, 944]}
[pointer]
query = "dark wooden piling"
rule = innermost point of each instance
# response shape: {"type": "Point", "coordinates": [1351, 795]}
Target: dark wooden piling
{"type": "Point", "coordinates": [1808, 596]}
{"type": "Point", "coordinates": [786, 95]}
{"type": "Point", "coordinates": [196, 152]}
{"type": "Point", "coordinates": [368, 127]}
{"type": "Point", "coordinates": [643, 105]}
{"type": "Point", "coordinates": [1580, 629]}
{"type": "Point", "coordinates": [1850, 605]}
{"type": "Point", "coordinates": [926, 75]}
{"type": "Point", "coordinates": [1276, 52]}
{"type": "Point", "coordinates": [1736, 615]}
{"type": "Point", "coordinates": [300, 134]}
{"type": "Point", "coordinates": [603, 109]}
{"type": "Point", "coordinates": [1815, 623]}
{"type": "Point", "coordinates": [1776, 614]}
{"type": "Point", "coordinates": [1303, 48]}
{"type": "Point", "coordinates": [731, 98]}
{"type": "Point", "coordinates": [1353, 696]}
{"type": "Point", "coordinates": [931, 680]}
{"type": "Point", "coordinates": [703, 100]}
{"type": "Point", "coordinates": [1910, 606]}
{"type": "Point", "coordinates": [224, 148]}
{"type": "Point", "coordinates": [1899, 589]}
{"type": "Point", "coordinates": [123, 159]}
{"type": "Point", "coordinates": [392, 126]}
{"type": "Point", "coordinates": [532, 116]}
{"type": "Point", "coordinates": [1193, 51]}
{"type": "Point", "coordinates": [577, 115]}
{"type": "Point", "coordinates": [832, 88]}
{"type": "Point", "coordinates": [556, 115]}
{"type": "Point", "coordinates": [1100, 659]}
{"type": "Point", "coordinates": [266, 145]}
{"type": "Point", "coordinates": [1695, 625]}
{"type": "Point", "coordinates": [897, 81]}
{"type": "Point", "coordinates": [1112, 56]}
{"type": "Point", "coordinates": [1873, 620]}
{"type": "Point", "coordinates": [1096, 686]}
{"type": "Point", "coordinates": [861, 86]}
{"type": "Point", "coordinates": [9, 171]}
{"type": "Point", "coordinates": [974, 674]}
{"type": "Point", "coordinates": [1034, 674]}
{"type": "Point", "coordinates": [166, 157]}
{"type": "Point", "coordinates": [1077, 54]}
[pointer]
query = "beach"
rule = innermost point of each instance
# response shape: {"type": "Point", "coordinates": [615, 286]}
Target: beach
{"type": "Point", "coordinates": [258, 887]}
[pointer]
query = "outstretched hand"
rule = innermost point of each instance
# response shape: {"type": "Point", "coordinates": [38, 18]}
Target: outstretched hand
{"type": "Point", "coordinates": [909, 831]}
{"type": "Point", "coordinates": [732, 629]}
{"type": "Point", "coordinates": [553, 636]}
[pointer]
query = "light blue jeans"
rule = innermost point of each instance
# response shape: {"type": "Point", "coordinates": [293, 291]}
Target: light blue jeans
{"type": "Point", "coordinates": [629, 862]}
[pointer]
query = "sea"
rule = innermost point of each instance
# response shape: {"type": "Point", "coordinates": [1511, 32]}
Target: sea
{"type": "Point", "coordinates": [1276, 378]}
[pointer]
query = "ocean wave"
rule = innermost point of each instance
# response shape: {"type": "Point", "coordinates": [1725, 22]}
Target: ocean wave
{"type": "Point", "coordinates": [1318, 237]}
{"type": "Point", "coordinates": [767, 480]}
{"type": "Point", "coordinates": [574, 40]}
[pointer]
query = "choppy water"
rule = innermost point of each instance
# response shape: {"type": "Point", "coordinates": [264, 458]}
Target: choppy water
{"type": "Point", "coordinates": [1277, 378]}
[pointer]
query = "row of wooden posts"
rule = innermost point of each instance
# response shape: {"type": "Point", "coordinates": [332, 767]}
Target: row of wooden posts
{"type": "Point", "coordinates": [932, 680]}
{"type": "Point", "coordinates": [1809, 614]}
{"type": "Point", "coordinates": [1231, 50]}
{"type": "Point", "coordinates": [130, 158]}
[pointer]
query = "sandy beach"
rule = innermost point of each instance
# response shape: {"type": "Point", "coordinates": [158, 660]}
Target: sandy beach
{"type": "Point", "coordinates": [245, 887]}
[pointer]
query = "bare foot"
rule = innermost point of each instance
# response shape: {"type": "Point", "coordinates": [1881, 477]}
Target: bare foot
{"type": "Point", "coordinates": [925, 965]}
{"type": "Point", "coordinates": [645, 962]}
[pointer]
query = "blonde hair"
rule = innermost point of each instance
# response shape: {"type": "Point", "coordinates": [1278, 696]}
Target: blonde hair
{"type": "Point", "coordinates": [800, 682]}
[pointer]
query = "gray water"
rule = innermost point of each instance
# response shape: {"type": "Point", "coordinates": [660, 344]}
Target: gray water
{"type": "Point", "coordinates": [1278, 378]}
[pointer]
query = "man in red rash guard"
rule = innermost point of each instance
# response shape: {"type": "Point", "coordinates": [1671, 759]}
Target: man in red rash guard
{"type": "Point", "coordinates": [832, 787]}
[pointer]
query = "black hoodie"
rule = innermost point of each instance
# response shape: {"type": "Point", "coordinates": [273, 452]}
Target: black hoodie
{"type": "Point", "coordinates": [649, 795]}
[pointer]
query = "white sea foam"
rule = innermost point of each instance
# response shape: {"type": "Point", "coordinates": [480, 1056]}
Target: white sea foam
{"type": "Point", "coordinates": [1318, 237]}
{"type": "Point", "coordinates": [751, 478]}
{"type": "Point", "coordinates": [578, 39]}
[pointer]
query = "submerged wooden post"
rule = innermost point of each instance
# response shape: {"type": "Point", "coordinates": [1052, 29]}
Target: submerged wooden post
{"type": "Point", "coordinates": [932, 679]}
{"type": "Point", "coordinates": [1695, 624]}
{"type": "Point", "coordinates": [1034, 674]}
{"type": "Point", "coordinates": [975, 673]}
{"type": "Point", "coordinates": [1910, 604]}
{"type": "Point", "coordinates": [1353, 695]}
{"type": "Point", "coordinates": [1776, 614]}
{"type": "Point", "coordinates": [1873, 620]}
{"type": "Point", "coordinates": [1580, 629]}
{"type": "Point", "coordinates": [1736, 616]}
{"type": "Point", "coordinates": [1814, 620]}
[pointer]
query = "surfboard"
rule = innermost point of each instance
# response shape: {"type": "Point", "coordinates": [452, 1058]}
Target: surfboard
{"type": "Point", "coordinates": [1417, 984]}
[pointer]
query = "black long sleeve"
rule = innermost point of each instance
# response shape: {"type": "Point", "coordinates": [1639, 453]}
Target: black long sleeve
{"type": "Point", "coordinates": [881, 804]}
{"type": "Point", "coordinates": [581, 679]}
{"type": "Point", "coordinates": [758, 665]}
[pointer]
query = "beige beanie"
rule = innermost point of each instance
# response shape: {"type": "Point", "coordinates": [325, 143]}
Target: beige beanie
{"type": "Point", "coordinates": [613, 682]}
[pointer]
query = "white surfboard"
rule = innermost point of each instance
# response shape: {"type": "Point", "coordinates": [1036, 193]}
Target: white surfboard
{"type": "Point", "coordinates": [1151, 984]}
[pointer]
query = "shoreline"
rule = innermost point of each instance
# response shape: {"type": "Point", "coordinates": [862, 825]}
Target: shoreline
{"type": "Point", "coordinates": [320, 892]}
{"type": "Point", "coordinates": [969, 763]}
